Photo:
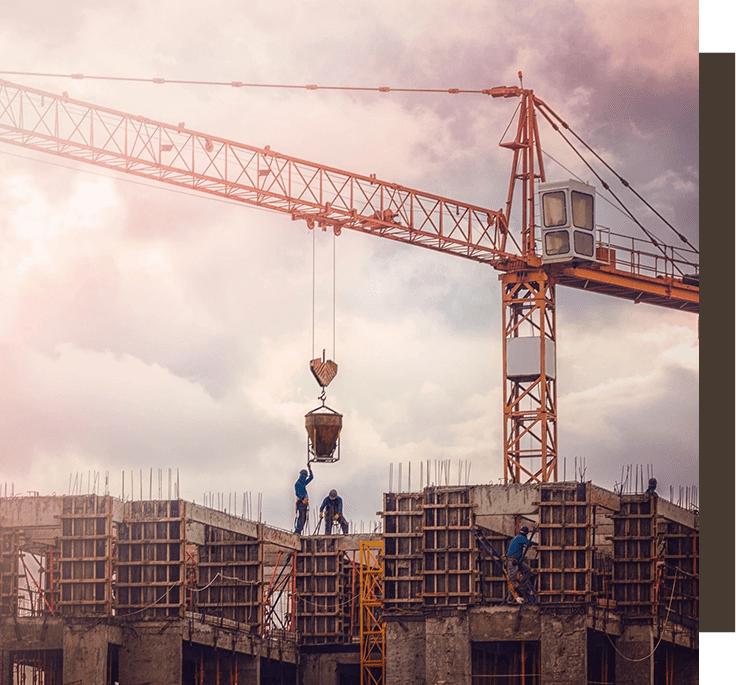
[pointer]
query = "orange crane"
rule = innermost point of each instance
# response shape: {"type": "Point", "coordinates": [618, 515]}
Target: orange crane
{"type": "Point", "coordinates": [565, 248]}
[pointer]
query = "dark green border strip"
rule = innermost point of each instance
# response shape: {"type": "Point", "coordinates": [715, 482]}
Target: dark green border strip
{"type": "Point", "coordinates": [717, 408]}
{"type": "Point", "coordinates": [717, 26]}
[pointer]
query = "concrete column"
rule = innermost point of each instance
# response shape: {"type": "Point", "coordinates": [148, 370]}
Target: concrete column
{"type": "Point", "coordinates": [448, 651]}
{"type": "Point", "coordinates": [318, 669]}
{"type": "Point", "coordinates": [249, 672]}
{"type": "Point", "coordinates": [564, 649]}
{"type": "Point", "coordinates": [632, 668]}
{"type": "Point", "coordinates": [85, 653]}
{"type": "Point", "coordinates": [149, 655]}
{"type": "Point", "coordinates": [405, 653]}
{"type": "Point", "coordinates": [6, 669]}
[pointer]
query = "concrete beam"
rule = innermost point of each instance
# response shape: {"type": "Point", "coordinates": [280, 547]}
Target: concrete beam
{"type": "Point", "coordinates": [501, 623]}
{"type": "Point", "coordinates": [235, 637]}
{"type": "Point", "coordinates": [18, 512]}
{"type": "Point", "coordinates": [677, 514]}
{"type": "Point", "coordinates": [498, 506]}
{"type": "Point", "coordinates": [27, 633]}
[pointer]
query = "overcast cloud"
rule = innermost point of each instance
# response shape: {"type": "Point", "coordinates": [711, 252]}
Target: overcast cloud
{"type": "Point", "coordinates": [143, 328]}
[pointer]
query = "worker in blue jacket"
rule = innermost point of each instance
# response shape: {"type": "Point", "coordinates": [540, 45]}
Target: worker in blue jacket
{"type": "Point", "coordinates": [519, 571]}
{"type": "Point", "coordinates": [331, 509]}
{"type": "Point", "coordinates": [302, 499]}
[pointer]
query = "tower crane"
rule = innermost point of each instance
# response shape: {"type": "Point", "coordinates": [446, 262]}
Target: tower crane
{"type": "Point", "coordinates": [565, 248]}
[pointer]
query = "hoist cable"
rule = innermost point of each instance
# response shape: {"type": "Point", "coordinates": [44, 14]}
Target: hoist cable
{"type": "Point", "coordinates": [334, 281]}
{"type": "Point", "coordinates": [314, 282]}
{"type": "Point", "coordinates": [542, 106]}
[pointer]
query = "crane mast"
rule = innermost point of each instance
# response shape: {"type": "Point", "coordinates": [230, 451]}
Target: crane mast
{"type": "Point", "coordinates": [325, 197]}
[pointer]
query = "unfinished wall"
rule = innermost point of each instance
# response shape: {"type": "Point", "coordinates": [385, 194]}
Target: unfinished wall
{"type": "Point", "coordinates": [87, 650]}
{"type": "Point", "coordinates": [447, 650]}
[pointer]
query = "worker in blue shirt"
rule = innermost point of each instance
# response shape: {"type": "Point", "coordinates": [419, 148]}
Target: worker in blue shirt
{"type": "Point", "coordinates": [302, 499]}
{"type": "Point", "coordinates": [519, 571]}
{"type": "Point", "coordinates": [331, 509]}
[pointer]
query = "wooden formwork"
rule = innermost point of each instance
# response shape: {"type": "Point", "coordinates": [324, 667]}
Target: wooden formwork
{"type": "Point", "coordinates": [323, 595]}
{"type": "Point", "coordinates": [229, 576]}
{"type": "Point", "coordinates": [403, 535]}
{"type": "Point", "coordinates": [566, 543]}
{"type": "Point", "coordinates": [676, 587]}
{"type": "Point", "coordinates": [492, 587]}
{"type": "Point", "coordinates": [635, 554]}
{"type": "Point", "coordinates": [449, 547]}
{"type": "Point", "coordinates": [9, 550]}
{"type": "Point", "coordinates": [151, 559]}
{"type": "Point", "coordinates": [86, 556]}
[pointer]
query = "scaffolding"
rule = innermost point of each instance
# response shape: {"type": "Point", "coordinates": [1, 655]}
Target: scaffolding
{"type": "Point", "coordinates": [372, 627]}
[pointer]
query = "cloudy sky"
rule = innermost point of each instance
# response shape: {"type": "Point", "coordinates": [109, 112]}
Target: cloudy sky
{"type": "Point", "coordinates": [144, 329]}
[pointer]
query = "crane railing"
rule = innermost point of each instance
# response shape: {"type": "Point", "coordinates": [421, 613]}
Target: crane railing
{"type": "Point", "coordinates": [321, 195]}
{"type": "Point", "coordinates": [640, 257]}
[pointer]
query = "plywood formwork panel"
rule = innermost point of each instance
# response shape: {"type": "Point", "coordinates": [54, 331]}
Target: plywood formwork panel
{"type": "Point", "coordinates": [566, 540]}
{"type": "Point", "coordinates": [635, 555]}
{"type": "Point", "coordinates": [403, 519]}
{"type": "Point", "coordinates": [9, 551]}
{"type": "Point", "coordinates": [86, 556]}
{"type": "Point", "coordinates": [450, 557]}
{"type": "Point", "coordinates": [322, 596]}
{"type": "Point", "coordinates": [229, 576]}
{"type": "Point", "coordinates": [151, 559]}
{"type": "Point", "coordinates": [677, 584]}
{"type": "Point", "coordinates": [491, 583]}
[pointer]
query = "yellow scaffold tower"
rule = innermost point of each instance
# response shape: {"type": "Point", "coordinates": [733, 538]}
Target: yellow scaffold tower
{"type": "Point", "coordinates": [372, 628]}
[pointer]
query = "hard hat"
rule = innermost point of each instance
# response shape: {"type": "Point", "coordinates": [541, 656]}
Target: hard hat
{"type": "Point", "coordinates": [333, 494]}
{"type": "Point", "coordinates": [303, 472]}
{"type": "Point", "coordinates": [524, 530]}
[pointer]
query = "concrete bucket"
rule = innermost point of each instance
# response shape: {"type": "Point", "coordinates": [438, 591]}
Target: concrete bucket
{"type": "Point", "coordinates": [323, 430]}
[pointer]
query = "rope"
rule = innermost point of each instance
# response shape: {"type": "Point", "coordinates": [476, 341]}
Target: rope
{"type": "Point", "coordinates": [661, 634]}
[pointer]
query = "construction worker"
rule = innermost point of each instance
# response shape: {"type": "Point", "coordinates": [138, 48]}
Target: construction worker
{"type": "Point", "coordinates": [519, 571]}
{"type": "Point", "coordinates": [302, 499]}
{"type": "Point", "coordinates": [331, 509]}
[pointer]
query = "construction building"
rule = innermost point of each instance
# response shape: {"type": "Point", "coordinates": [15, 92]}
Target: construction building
{"type": "Point", "coordinates": [98, 591]}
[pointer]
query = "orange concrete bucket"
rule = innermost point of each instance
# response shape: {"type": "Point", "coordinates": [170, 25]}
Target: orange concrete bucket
{"type": "Point", "coordinates": [323, 430]}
